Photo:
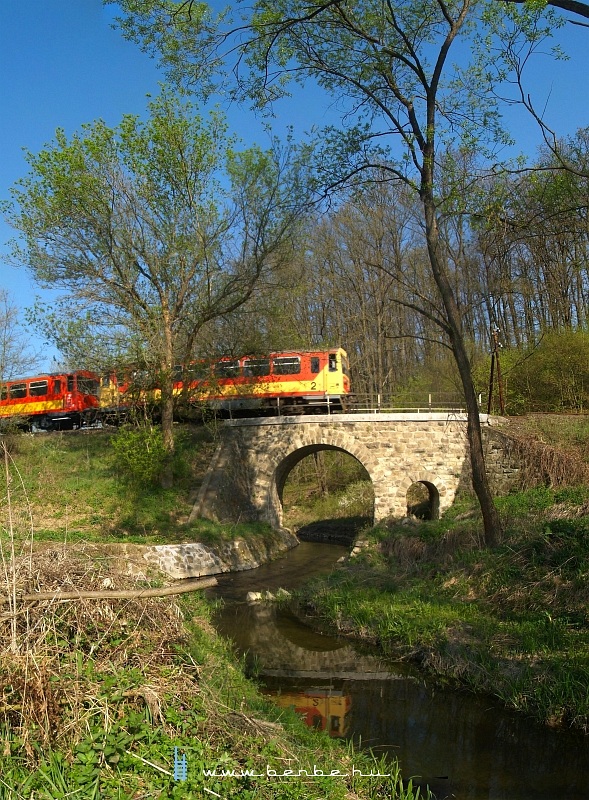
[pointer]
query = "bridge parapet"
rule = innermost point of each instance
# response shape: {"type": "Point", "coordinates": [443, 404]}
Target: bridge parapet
{"type": "Point", "coordinates": [254, 457]}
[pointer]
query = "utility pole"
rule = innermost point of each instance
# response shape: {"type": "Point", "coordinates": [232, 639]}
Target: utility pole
{"type": "Point", "coordinates": [495, 359]}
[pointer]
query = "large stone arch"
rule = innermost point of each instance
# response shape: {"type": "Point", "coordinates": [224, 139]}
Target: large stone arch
{"type": "Point", "coordinates": [279, 467]}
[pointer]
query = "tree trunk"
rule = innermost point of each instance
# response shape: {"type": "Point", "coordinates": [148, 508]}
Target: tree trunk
{"type": "Point", "coordinates": [167, 409]}
{"type": "Point", "coordinates": [480, 482]}
{"type": "Point", "coordinates": [321, 473]}
{"type": "Point", "coordinates": [167, 403]}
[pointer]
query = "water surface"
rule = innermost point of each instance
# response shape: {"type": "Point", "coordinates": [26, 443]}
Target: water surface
{"type": "Point", "coordinates": [462, 746]}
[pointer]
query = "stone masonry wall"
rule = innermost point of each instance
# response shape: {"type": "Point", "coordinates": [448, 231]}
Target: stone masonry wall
{"type": "Point", "coordinates": [503, 466]}
{"type": "Point", "coordinates": [254, 457]}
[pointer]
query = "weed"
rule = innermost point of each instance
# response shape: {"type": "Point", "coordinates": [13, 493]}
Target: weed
{"type": "Point", "coordinates": [511, 622]}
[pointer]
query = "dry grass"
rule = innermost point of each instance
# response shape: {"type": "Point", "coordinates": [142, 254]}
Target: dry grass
{"type": "Point", "coordinates": [52, 652]}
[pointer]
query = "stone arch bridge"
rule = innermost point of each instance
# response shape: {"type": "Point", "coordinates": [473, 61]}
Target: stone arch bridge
{"type": "Point", "coordinates": [248, 472]}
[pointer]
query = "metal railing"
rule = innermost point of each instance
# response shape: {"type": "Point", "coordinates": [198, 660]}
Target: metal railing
{"type": "Point", "coordinates": [432, 402]}
{"type": "Point", "coordinates": [424, 403]}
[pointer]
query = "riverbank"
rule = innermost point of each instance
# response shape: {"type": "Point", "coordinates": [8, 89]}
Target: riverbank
{"type": "Point", "coordinates": [139, 698]}
{"type": "Point", "coordinates": [123, 698]}
{"type": "Point", "coordinates": [511, 622]}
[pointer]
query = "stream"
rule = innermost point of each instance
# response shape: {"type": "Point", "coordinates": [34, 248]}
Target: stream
{"type": "Point", "coordinates": [461, 746]}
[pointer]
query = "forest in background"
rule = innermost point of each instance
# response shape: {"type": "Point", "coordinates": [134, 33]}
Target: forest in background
{"type": "Point", "coordinates": [249, 260]}
{"type": "Point", "coordinates": [359, 276]}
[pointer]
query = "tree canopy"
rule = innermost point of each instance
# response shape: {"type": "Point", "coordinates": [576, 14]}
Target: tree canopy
{"type": "Point", "coordinates": [405, 103]}
{"type": "Point", "coordinates": [153, 228]}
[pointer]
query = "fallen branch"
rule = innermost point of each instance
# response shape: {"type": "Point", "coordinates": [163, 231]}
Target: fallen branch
{"type": "Point", "coordinates": [112, 594]}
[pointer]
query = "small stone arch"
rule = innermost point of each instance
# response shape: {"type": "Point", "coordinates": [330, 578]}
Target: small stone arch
{"type": "Point", "coordinates": [425, 505]}
{"type": "Point", "coordinates": [439, 498]}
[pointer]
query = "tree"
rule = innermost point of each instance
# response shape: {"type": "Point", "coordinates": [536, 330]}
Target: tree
{"type": "Point", "coordinates": [156, 227]}
{"type": "Point", "coordinates": [366, 268]}
{"type": "Point", "coordinates": [534, 238]}
{"type": "Point", "coordinates": [388, 65]}
{"type": "Point", "coordinates": [16, 356]}
{"type": "Point", "coordinates": [575, 7]}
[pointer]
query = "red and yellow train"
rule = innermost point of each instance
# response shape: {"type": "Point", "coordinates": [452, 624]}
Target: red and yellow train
{"type": "Point", "coordinates": [291, 382]}
{"type": "Point", "coordinates": [51, 402]}
{"type": "Point", "coordinates": [283, 383]}
{"type": "Point", "coordinates": [324, 709]}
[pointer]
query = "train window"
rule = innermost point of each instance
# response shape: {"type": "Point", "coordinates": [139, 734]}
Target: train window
{"type": "Point", "coordinates": [333, 362]}
{"type": "Point", "coordinates": [57, 386]}
{"type": "Point", "coordinates": [4, 392]}
{"type": "Point", "coordinates": [314, 365]}
{"type": "Point", "coordinates": [256, 367]}
{"type": "Point", "coordinates": [38, 388]}
{"type": "Point", "coordinates": [335, 723]}
{"type": "Point", "coordinates": [18, 390]}
{"type": "Point", "coordinates": [286, 365]}
{"type": "Point", "coordinates": [198, 370]}
{"type": "Point", "coordinates": [178, 374]}
{"type": "Point", "coordinates": [70, 383]}
{"type": "Point", "coordinates": [141, 379]}
{"type": "Point", "coordinates": [87, 385]}
{"type": "Point", "coordinates": [227, 369]}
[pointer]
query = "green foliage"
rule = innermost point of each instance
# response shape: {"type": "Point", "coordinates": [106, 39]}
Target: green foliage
{"type": "Point", "coordinates": [141, 454]}
{"type": "Point", "coordinates": [152, 229]}
{"type": "Point", "coordinates": [554, 376]}
{"type": "Point", "coordinates": [77, 488]}
{"type": "Point", "coordinates": [121, 724]}
{"type": "Point", "coordinates": [510, 621]}
{"type": "Point", "coordinates": [551, 376]}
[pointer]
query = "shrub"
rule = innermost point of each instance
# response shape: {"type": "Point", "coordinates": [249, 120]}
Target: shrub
{"type": "Point", "coordinates": [141, 454]}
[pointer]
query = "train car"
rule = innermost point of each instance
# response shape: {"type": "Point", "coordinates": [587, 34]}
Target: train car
{"type": "Point", "coordinates": [116, 398]}
{"type": "Point", "coordinates": [127, 394]}
{"type": "Point", "coordinates": [293, 382]}
{"type": "Point", "coordinates": [324, 709]}
{"type": "Point", "coordinates": [56, 401]}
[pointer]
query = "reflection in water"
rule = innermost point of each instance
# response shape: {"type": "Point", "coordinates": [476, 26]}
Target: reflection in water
{"type": "Point", "coordinates": [325, 709]}
{"type": "Point", "coordinates": [465, 747]}
{"type": "Point", "coordinates": [461, 746]}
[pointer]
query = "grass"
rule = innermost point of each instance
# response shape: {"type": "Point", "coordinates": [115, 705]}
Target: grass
{"type": "Point", "coordinates": [566, 431]}
{"type": "Point", "coordinates": [100, 696]}
{"type": "Point", "coordinates": [75, 489]}
{"type": "Point", "coordinates": [511, 622]}
{"type": "Point", "coordinates": [96, 695]}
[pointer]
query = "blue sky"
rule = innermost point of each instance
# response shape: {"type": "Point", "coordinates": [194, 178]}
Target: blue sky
{"type": "Point", "coordinates": [62, 64]}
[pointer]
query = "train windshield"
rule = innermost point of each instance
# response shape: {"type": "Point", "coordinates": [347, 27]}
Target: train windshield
{"type": "Point", "coordinates": [88, 385]}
